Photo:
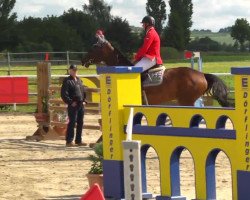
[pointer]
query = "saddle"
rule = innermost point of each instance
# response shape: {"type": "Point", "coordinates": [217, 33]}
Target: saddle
{"type": "Point", "coordinates": [153, 76]}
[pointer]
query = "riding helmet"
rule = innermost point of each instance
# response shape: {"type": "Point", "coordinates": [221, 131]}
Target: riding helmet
{"type": "Point", "coordinates": [148, 19]}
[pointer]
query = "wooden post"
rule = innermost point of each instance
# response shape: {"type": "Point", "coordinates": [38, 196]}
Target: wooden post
{"type": "Point", "coordinates": [9, 66]}
{"type": "Point", "coordinates": [43, 82]}
{"type": "Point", "coordinates": [42, 115]}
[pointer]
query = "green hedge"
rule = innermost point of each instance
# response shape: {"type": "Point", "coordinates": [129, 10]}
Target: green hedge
{"type": "Point", "coordinates": [169, 53]}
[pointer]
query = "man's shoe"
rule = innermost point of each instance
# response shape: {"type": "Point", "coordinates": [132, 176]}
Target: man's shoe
{"type": "Point", "coordinates": [83, 144]}
{"type": "Point", "coordinates": [70, 144]}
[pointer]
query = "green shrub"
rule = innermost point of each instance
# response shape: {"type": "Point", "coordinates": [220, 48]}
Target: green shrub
{"type": "Point", "coordinates": [168, 53]}
{"type": "Point", "coordinates": [96, 166]}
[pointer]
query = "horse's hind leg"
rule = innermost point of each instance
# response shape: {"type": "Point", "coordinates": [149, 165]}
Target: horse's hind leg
{"type": "Point", "coordinates": [189, 96]}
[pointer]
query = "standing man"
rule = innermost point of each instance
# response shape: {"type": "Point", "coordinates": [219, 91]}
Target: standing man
{"type": "Point", "coordinates": [149, 54]}
{"type": "Point", "coordinates": [72, 93]}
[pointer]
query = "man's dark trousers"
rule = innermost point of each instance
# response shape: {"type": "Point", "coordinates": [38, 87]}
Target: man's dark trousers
{"type": "Point", "coordinates": [75, 114]}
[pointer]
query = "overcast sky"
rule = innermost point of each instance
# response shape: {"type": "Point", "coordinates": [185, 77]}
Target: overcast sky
{"type": "Point", "coordinates": [208, 14]}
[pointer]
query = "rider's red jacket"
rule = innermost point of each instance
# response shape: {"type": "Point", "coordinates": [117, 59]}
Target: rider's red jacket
{"type": "Point", "coordinates": [150, 47]}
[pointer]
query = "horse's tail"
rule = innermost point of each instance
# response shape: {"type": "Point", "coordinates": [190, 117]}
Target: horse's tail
{"type": "Point", "coordinates": [217, 89]}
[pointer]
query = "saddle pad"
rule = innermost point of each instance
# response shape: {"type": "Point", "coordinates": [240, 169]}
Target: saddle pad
{"type": "Point", "coordinates": [154, 77]}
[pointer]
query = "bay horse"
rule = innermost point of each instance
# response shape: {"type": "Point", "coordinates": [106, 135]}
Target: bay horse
{"type": "Point", "coordinates": [183, 84]}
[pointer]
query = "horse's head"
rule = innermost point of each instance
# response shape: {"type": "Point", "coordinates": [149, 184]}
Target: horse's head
{"type": "Point", "coordinates": [100, 52]}
{"type": "Point", "coordinates": [104, 52]}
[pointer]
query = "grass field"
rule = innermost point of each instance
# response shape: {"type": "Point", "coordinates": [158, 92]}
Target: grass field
{"type": "Point", "coordinates": [219, 37]}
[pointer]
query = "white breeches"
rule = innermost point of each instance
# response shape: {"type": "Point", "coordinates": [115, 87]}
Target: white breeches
{"type": "Point", "coordinates": [146, 63]}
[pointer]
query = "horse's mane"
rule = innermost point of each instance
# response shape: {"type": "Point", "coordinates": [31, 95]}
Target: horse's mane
{"type": "Point", "coordinates": [113, 56]}
{"type": "Point", "coordinates": [122, 59]}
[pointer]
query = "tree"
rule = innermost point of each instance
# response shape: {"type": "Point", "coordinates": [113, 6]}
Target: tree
{"type": "Point", "coordinates": [202, 31]}
{"type": "Point", "coordinates": [7, 22]}
{"type": "Point", "coordinates": [120, 35]}
{"type": "Point", "coordinates": [180, 17]}
{"type": "Point", "coordinates": [173, 34]}
{"type": "Point", "coordinates": [225, 30]}
{"type": "Point", "coordinates": [100, 11]}
{"type": "Point", "coordinates": [60, 35]}
{"type": "Point", "coordinates": [241, 31]}
{"type": "Point", "coordinates": [36, 34]}
{"type": "Point", "coordinates": [204, 44]}
{"type": "Point", "coordinates": [31, 46]}
{"type": "Point", "coordinates": [29, 30]}
{"type": "Point", "coordinates": [84, 25]}
{"type": "Point", "coordinates": [157, 9]}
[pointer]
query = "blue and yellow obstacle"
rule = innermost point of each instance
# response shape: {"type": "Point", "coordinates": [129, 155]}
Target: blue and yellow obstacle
{"type": "Point", "coordinates": [121, 90]}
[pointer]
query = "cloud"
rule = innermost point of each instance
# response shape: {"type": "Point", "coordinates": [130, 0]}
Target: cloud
{"type": "Point", "coordinates": [42, 8]}
{"type": "Point", "coordinates": [208, 14]}
{"type": "Point", "coordinates": [211, 14]}
{"type": "Point", "coordinates": [131, 10]}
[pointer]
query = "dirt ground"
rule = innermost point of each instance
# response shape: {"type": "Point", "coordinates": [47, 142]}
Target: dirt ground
{"type": "Point", "coordinates": [47, 170]}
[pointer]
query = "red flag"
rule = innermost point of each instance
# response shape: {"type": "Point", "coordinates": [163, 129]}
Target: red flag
{"type": "Point", "coordinates": [94, 193]}
{"type": "Point", "coordinates": [47, 57]}
{"type": "Point", "coordinates": [188, 54]}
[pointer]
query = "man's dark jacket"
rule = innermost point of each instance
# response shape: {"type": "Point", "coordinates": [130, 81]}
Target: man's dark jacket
{"type": "Point", "coordinates": [72, 90]}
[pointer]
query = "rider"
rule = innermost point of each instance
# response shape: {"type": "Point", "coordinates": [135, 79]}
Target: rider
{"type": "Point", "coordinates": [149, 54]}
